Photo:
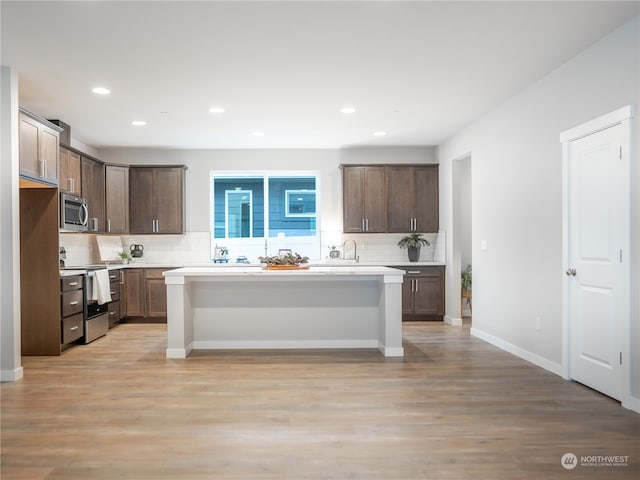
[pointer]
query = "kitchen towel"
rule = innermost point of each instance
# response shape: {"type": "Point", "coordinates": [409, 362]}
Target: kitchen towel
{"type": "Point", "coordinates": [101, 287]}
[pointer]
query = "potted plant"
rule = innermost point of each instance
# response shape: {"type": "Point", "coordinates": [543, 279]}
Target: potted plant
{"type": "Point", "coordinates": [413, 243]}
{"type": "Point", "coordinates": [125, 257]}
{"type": "Point", "coordinates": [465, 284]}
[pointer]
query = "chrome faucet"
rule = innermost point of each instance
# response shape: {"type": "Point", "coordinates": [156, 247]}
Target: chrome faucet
{"type": "Point", "coordinates": [355, 250]}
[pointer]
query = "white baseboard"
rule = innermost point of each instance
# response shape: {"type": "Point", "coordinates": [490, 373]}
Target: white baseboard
{"type": "Point", "coordinates": [452, 321]}
{"type": "Point", "coordinates": [11, 375]}
{"type": "Point", "coordinates": [518, 352]}
{"type": "Point", "coordinates": [632, 404]}
{"type": "Point", "coordinates": [281, 344]}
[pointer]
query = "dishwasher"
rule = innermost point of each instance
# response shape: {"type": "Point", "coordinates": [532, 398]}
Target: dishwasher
{"type": "Point", "coordinates": [96, 316]}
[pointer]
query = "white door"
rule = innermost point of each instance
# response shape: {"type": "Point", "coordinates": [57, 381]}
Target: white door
{"type": "Point", "coordinates": [598, 229]}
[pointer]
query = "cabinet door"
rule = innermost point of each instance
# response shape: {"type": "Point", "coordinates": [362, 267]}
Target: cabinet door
{"type": "Point", "coordinates": [49, 151]}
{"type": "Point", "coordinates": [29, 147]}
{"type": "Point", "coordinates": [429, 293]}
{"type": "Point", "coordinates": [169, 200]}
{"type": "Point", "coordinates": [407, 295]}
{"type": "Point", "coordinates": [155, 293]}
{"type": "Point", "coordinates": [427, 201]}
{"type": "Point", "coordinates": [117, 198]}
{"type": "Point", "coordinates": [92, 173]}
{"type": "Point", "coordinates": [402, 197]}
{"type": "Point", "coordinates": [134, 292]}
{"type": "Point", "coordinates": [141, 202]}
{"type": "Point", "coordinates": [375, 200]}
{"type": "Point", "coordinates": [353, 199]}
{"type": "Point", "coordinates": [70, 180]}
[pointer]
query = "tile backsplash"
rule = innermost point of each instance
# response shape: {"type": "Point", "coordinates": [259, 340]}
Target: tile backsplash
{"type": "Point", "coordinates": [194, 247]}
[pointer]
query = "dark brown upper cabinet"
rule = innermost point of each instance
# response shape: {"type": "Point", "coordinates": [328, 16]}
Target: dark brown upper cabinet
{"type": "Point", "coordinates": [156, 199]}
{"type": "Point", "coordinates": [70, 171]}
{"type": "Point", "coordinates": [117, 198]}
{"type": "Point", "coordinates": [93, 188]}
{"type": "Point", "coordinates": [412, 193]}
{"type": "Point", "coordinates": [364, 199]}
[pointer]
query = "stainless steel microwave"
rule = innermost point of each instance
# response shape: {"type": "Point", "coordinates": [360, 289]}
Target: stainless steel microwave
{"type": "Point", "coordinates": [74, 213]}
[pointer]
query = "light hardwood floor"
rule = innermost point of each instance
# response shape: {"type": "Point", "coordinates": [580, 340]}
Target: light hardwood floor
{"type": "Point", "coordinates": [453, 408]}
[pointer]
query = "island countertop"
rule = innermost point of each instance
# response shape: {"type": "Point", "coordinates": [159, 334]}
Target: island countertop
{"type": "Point", "coordinates": [253, 270]}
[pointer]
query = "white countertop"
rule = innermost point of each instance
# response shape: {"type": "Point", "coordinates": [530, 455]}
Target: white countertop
{"type": "Point", "coordinates": [257, 270]}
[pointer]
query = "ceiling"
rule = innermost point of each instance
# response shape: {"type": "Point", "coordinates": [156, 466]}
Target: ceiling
{"type": "Point", "coordinates": [419, 71]}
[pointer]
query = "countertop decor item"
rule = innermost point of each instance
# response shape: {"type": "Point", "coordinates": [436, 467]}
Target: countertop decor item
{"type": "Point", "coordinates": [413, 243]}
{"type": "Point", "coordinates": [125, 257]}
{"type": "Point", "coordinates": [284, 262]}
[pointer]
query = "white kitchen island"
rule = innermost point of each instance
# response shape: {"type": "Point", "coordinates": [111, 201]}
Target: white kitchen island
{"type": "Point", "coordinates": [248, 307]}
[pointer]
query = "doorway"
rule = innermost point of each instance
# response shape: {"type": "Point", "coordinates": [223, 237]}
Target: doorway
{"type": "Point", "coordinates": [462, 238]}
{"type": "Point", "coordinates": [596, 251]}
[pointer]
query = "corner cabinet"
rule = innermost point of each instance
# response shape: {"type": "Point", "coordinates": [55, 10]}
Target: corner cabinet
{"type": "Point", "coordinates": [364, 199]}
{"type": "Point", "coordinates": [413, 199]}
{"type": "Point", "coordinates": [423, 293]}
{"type": "Point", "coordinates": [156, 199]}
{"type": "Point", "coordinates": [39, 148]}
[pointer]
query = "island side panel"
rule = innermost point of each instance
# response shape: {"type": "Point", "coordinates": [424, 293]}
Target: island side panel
{"type": "Point", "coordinates": [179, 318]}
{"type": "Point", "coordinates": [390, 316]}
{"type": "Point", "coordinates": [327, 313]}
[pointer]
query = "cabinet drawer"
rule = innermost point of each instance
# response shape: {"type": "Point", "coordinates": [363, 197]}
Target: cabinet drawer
{"type": "Point", "coordinates": [72, 328]}
{"type": "Point", "coordinates": [115, 291]}
{"type": "Point", "coordinates": [423, 271]}
{"type": "Point", "coordinates": [114, 276]}
{"type": "Point", "coordinates": [72, 302]}
{"type": "Point", "coordinates": [153, 272]}
{"type": "Point", "coordinates": [114, 313]}
{"type": "Point", "coordinates": [74, 282]}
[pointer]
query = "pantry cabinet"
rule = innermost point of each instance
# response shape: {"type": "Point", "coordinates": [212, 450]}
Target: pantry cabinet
{"type": "Point", "coordinates": [364, 199]}
{"type": "Point", "coordinates": [70, 172]}
{"type": "Point", "coordinates": [117, 198]}
{"type": "Point", "coordinates": [423, 293]}
{"type": "Point", "coordinates": [92, 179]}
{"type": "Point", "coordinates": [156, 199]}
{"type": "Point", "coordinates": [39, 148]}
{"type": "Point", "coordinates": [413, 199]}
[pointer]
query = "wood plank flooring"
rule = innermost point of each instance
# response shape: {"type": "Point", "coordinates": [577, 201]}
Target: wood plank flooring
{"type": "Point", "coordinates": [453, 408]}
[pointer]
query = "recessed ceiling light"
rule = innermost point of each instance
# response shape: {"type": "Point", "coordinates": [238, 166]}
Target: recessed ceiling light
{"type": "Point", "coordinates": [348, 110]}
{"type": "Point", "coordinates": [138, 123]}
{"type": "Point", "coordinates": [101, 90]}
{"type": "Point", "coordinates": [380, 133]}
{"type": "Point", "coordinates": [216, 110]}
{"type": "Point", "coordinates": [258, 133]}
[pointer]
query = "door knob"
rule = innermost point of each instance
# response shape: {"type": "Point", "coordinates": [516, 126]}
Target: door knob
{"type": "Point", "coordinates": [571, 272]}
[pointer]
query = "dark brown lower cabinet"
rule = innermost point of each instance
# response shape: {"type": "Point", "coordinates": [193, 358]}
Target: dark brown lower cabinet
{"type": "Point", "coordinates": [423, 293]}
{"type": "Point", "coordinates": [145, 294]}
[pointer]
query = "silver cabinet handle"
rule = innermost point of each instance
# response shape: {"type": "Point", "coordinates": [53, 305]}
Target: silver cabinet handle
{"type": "Point", "coordinates": [112, 277]}
{"type": "Point", "coordinates": [413, 272]}
{"type": "Point", "coordinates": [416, 285]}
{"type": "Point", "coordinates": [42, 166]}
{"type": "Point", "coordinates": [84, 216]}
{"type": "Point", "coordinates": [75, 327]}
{"type": "Point", "coordinates": [94, 223]}
{"type": "Point", "coordinates": [108, 225]}
{"type": "Point", "coordinates": [73, 185]}
{"type": "Point", "coordinates": [112, 314]}
{"type": "Point", "coordinates": [74, 303]}
{"type": "Point", "coordinates": [157, 226]}
{"type": "Point", "coordinates": [73, 284]}
{"type": "Point", "coordinates": [363, 225]}
{"type": "Point", "coordinates": [366, 222]}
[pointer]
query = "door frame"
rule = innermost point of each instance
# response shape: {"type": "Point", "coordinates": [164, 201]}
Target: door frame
{"type": "Point", "coordinates": [623, 116]}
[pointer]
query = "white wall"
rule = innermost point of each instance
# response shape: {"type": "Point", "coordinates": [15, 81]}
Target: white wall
{"type": "Point", "coordinates": [517, 202]}
{"type": "Point", "coordinates": [10, 360]}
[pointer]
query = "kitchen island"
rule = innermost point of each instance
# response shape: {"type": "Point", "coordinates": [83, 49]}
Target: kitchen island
{"type": "Point", "coordinates": [319, 307]}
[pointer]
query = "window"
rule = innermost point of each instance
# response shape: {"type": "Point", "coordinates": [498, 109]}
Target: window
{"type": "Point", "coordinates": [257, 214]}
